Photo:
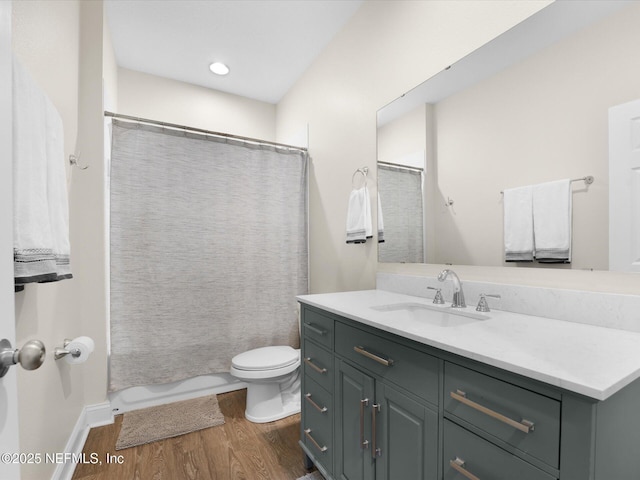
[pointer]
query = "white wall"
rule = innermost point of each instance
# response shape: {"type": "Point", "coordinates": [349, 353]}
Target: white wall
{"type": "Point", "coordinates": [404, 136]}
{"type": "Point", "coordinates": [540, 120]}
{"type": "Point", "coordinates": [157, 98]}
{"type": "Point", "coordinates": [387, 48]}
{"type": "Point", "coordinates": [46, 41]}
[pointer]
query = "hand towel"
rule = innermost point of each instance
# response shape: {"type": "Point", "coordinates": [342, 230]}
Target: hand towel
{"type": "Point", "coordinates": [552, 221]}
{"type": "Point", "coordinates": [41, 233]}
{"type": "Point", "coordinates": [380, 222]}
{"type": "Point", "coordinates": [518, 224]}
{"type": "Point", "coordinates": [359, 216]}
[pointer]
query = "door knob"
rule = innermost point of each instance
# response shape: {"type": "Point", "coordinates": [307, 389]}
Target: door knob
{"type": "Point", "coordinates": [30, 356]}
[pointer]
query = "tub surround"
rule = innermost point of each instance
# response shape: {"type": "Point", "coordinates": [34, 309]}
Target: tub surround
{"type": "Point", "coordinates": [587, 359]}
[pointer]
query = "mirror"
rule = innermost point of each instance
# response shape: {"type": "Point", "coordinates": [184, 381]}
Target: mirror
{"type": "Point", "coordinates": [529, 107]}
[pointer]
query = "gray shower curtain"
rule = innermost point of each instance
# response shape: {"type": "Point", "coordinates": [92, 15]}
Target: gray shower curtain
{"type": "Point", "coordinates": [400, 192]}
{"type": "Point", "coordinates": [208, 250]}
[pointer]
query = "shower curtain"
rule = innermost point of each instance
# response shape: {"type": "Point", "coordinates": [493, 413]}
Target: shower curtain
{"type": "Point", "coordinates": [208, 247]}
{"type": "Point", "coordinates": [401, 197]}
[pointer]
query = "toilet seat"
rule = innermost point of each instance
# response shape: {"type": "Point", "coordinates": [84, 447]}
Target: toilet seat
{"type": "Point", "coordinates": [265, 364]}
{"type": "Point", "coordinates": [266, 358]}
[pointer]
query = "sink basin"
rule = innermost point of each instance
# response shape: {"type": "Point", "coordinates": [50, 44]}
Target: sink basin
{"type": "Point", "coordinates": [434, 315]}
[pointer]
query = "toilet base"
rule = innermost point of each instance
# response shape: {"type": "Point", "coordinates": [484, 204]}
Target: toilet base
{"type": "Point", "coordinates": [268, 402]}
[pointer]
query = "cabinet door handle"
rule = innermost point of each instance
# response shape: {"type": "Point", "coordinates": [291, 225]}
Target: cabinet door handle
{"type": "Point", "coordinates": [314, 366]}
{"type": "Point", "coordinates": [364, 444]}
{"type": "Point", "coordinates": [387, 362]}
{"type": "Point", "coordinates": [315, 405]}
{"type": "Point", "coordinates": [524, 426]}
{"type": "Point", "coordinates": [307, 432]}
{"type": "Point", "coordinates": [315, 329]}
{"type": "Point", "coordinates": [458, 465]}
{"type": "Point", "coordinates": [375, 451]}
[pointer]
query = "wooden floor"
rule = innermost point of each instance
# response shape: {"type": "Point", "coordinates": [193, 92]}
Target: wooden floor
{"type": "Point", "coordinates": [237, 450]}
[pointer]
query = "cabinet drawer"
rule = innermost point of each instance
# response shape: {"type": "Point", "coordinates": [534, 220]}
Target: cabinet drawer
{"type": "Point", "coordinates": [317, 402]}
{"type": "Point", "coordinates": [482, 459]}
{"type": "Point", "coordinates": [317, 327]}
{"type": "Point", "coordinates": [317, 422]}
{"type": "Point", "coordinates": [318, 364]}
{"type": "Point", "coordinates": [413, 370]}
{"type": "Point", "coordinates": [527, 420]}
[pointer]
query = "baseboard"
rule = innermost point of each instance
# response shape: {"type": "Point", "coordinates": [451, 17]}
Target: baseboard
{"type": "Point", "coordinates": [91, 416]}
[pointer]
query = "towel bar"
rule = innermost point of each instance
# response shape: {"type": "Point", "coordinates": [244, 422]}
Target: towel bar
{"type": "Point", "coordinates": [588, 180]}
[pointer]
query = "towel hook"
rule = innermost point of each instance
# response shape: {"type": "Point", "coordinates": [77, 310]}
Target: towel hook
{"type": "Point", "coordinates": [364, 171]}
{"type": "Point", "coordinates": [73, 161]}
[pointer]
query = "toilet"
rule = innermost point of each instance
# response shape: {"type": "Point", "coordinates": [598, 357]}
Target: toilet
{"type": "Point", "coordinates": [272, 375]}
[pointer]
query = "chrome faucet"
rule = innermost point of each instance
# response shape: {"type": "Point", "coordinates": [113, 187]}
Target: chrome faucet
{"type": "Point", "coordinates": [458, 294]}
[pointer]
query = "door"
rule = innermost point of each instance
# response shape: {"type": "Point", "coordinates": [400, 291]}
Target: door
{"type": "Point", "coordinates": [355, 398]}
{"type": "Point", "coordinates": [624, 187]}
{"type": "Point", "coordinates": [407, 436]}
{"type": "Point", "coordinates": [8, 388]}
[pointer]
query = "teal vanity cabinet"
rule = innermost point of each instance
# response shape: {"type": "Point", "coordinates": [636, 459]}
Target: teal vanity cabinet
{"type": "Point", "coordinates": [386, 428]}
{"type": "Point", "coordinates": [378, 406]}
{"type": "Point", "coordinates": [317, 388]}
{"type": "Point", "coordinates": [384, 420]}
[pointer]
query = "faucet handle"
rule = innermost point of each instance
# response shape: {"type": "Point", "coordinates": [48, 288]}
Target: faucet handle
{"type": "Point", "coordinates": [438, 298]}
{"type": "Point", "coordinates": [483, 306]}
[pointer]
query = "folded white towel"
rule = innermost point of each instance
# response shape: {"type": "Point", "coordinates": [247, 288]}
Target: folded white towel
{"type": "Point", "coordinates": [518, 224]}
{"type": "Point", "coordinates": [359, 216]}
{"type": "Point", "coordinates": [552, 221]}
{"type": "Point", "coordinates": [380, 222]}
{"type": "Point", "coordinates": [41, 232]}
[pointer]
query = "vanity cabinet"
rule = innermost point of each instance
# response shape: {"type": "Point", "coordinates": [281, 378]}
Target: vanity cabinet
{"type": "Point", "coordinates": [378, 406]}
{"type": "Point", "coordinates": [382, 433]}
{"type": "Point", "coordinates": [385, 423]}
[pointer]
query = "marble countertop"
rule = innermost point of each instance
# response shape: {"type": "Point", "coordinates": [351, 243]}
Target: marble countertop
{"type": "Point", "coordinates": [589, 360]}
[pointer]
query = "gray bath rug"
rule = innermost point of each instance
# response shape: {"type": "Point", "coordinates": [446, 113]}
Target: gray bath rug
{"type": "Point", "coordinates": [165, 421]}
{"type": "Point", "coordinates": [312, 476]}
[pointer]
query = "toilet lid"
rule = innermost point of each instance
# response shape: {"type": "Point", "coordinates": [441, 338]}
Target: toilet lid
{"type": "Point", "coordinates": [266, 358]}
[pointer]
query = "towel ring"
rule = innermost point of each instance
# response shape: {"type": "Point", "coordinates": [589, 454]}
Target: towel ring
{"type": "Point", "coordinates": [363, 171]}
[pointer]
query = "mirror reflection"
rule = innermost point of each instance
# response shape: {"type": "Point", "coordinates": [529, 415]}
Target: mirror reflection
{"type": "Point", "coordinates": [446, 152]}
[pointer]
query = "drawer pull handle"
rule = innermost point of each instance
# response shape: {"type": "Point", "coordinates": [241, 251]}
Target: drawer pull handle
{"type": "Point", "coordinates": [364, 444]}
{"type": "Point", "coordinates": [316, 329]}
{"type": "Point", "coordinates": [375, 451]}
{"type": "Point", "coordinates": [314, 366]}
{"type": "Point", "coordinates": [387, 362]}
{"type": "Point", "coordinates": [524, 426]}
{"type": "Point", "coordinates": [307, 432]}
{"type": "Point", "coordinates": [458, 465]}
{"type": "Point", "coordinates": [315, 405]}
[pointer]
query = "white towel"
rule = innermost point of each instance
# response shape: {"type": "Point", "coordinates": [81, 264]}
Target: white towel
{"type": "Point", "coordinates": [552, 221]}
{"type": "Point", "coordinates": [41, 231]}
{"type": "Point", "coordinates": [518, 224]}
{"type": "Point", "coordinates": [359, 216]}
{"type": "Point", "coordinates": [380, 222]}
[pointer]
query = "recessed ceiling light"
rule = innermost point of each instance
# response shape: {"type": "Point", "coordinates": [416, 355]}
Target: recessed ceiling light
{"type": "Point", "coordinates": [219, 68]}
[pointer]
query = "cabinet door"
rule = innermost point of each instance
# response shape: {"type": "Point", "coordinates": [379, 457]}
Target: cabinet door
{"type": "Point", "coordinates": [407, 436]}
{"type": "Point", "coordinates": [354, 398]}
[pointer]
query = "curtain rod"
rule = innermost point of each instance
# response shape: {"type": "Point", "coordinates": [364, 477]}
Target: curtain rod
{"type": "Point", "coordinates": [398, 165]}
{"type": "Point", "coordinates": [200, 130]}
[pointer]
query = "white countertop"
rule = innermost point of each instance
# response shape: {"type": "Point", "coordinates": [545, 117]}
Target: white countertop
{"type": "Point", "coordinates": [585, 359]}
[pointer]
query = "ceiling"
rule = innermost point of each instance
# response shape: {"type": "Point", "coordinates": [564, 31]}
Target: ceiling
{"type": "Point", "coordinates": [267, 44]}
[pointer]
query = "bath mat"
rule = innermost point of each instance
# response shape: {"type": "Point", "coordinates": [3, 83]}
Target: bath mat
{"type": "Point", "coordinates": [312, 476]}
{"type": "Point", "coordinates": [165, 421]}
